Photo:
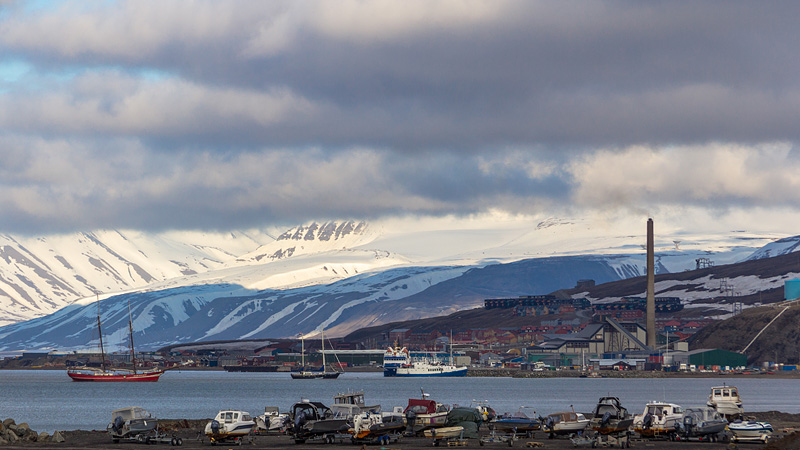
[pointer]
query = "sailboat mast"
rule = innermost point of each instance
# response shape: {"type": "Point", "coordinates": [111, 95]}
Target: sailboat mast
{"type": "Point", "coordinates": [451, 348]}
{"type": "Point", "coordinates": [322, 335]}
{"type": "Point", "coordinates": [302, 352]}
{"type": "Point", "coordinates": [130, 328]}
{"type": "Point", "coordinates": [100, 334]}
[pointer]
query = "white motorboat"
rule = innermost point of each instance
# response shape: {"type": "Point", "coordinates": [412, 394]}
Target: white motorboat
{"type": "Point", "coordinates": [422, 413]}
{"type": "Point", "coordinates": [658, 419]}
{"type": "Point", "coordinates": [272, 421]}
{"type": "Point", "coordinates": [726, 400]}
{"type": "Point", "coordinates": [565, 422]}
{"type": "Point", "coordinates": [351, 404]}
{"type": "Point", "coordinates": [701, 422]}
{"type": "Point", "coordinates": [369, 425]}
{"type": "Point", "coordinates": [229, 425]}
{"type": "Point", "coordinates": [444, 432]}
{"type": "Point", "coordinates": [130, 422]}
{"type": "Point", "coordinates": [746, 430]}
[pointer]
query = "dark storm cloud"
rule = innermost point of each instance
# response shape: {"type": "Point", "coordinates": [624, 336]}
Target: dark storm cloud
{"type": "Point", "coordinates": [602, 73]}
{"type": "Point", "coordinates": [207, 114]}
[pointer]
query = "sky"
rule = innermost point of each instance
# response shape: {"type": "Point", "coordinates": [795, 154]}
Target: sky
{"type": "Point", "coordinates": [158, 115]}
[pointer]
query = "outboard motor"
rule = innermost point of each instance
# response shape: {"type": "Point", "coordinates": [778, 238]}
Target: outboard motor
{"type": "Point", "coordinates": [215, 426]}
{"type": "Point", "coordinates": [119, 422]}
{"type": "Point", "coordinates": [688, 424]}
{"type": "Point", "coordinates": [605, 419]}
{"type": "Point", "coordinates": [411, 417]}
{"type": "Point", "coordinates": [647, 421]}
{"type": "Point", "coordinates": [549, 423]}
{"type": "Point", "coordinates": [299, 420]}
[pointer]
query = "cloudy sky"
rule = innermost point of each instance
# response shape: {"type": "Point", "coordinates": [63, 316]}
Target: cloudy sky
{"type": "Point", "coordinates": [225, 115]}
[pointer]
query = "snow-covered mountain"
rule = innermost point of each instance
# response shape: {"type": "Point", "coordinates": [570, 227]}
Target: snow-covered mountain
{"type": "Point", "coordinates": [41, 275]}
{"type": "Point", "coordinates": [337, 275]}
{"type": "Point", "coordinates": [777, 248]}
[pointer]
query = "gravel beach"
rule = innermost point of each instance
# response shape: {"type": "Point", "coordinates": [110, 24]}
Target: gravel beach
{"type": "Point", "coordinates": [190, 432]}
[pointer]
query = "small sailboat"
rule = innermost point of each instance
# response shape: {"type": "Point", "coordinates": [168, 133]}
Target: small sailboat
{"type": "Point", "coordinates": [104, 373]}
{"type": "Point", "coordinates": [323, 373]}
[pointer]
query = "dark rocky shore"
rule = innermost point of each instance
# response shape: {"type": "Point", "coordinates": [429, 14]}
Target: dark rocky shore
{"type": "Point", "coordinates": [191, 434]}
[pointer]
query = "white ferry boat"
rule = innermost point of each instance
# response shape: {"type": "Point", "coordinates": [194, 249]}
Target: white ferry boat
{"type": "Point", "coordinates": [394, 358]}
{"type": "Point", "coordinates": [429, 369]}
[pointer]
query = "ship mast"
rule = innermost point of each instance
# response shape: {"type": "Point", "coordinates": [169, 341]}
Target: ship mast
{"type": "Point", "coordinates": [100, 334]}
{"type": "Point", "coordinates": [130, 327]}
{"type": "Point", "coordinates": [322, 335]}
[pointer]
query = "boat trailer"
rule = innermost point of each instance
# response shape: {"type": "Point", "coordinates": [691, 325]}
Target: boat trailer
{"type": "Point", "coordinates": [156, 437]}
{"type": "Point", "coordinates": [621, 440]}
{"type": "Point", "coordinates": [494, 438]}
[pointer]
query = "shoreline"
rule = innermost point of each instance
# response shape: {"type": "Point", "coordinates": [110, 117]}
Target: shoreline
{"type": "Point", "coordinates": [489, 372]}
{"type": "Point", "coordinates": [191, 431]}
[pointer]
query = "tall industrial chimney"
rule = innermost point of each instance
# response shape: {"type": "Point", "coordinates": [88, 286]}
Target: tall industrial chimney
{"type": "Point", "coordinates": [651, 287]}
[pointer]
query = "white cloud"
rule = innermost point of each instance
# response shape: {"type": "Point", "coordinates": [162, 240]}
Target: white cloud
{"type": "Point", "coordinates": [113, 102]}
{"type": "Point", "coordinates": [716, 175]}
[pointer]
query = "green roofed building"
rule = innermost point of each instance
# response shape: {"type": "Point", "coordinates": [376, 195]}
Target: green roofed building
{"type": "Point", "coordinates": [711, 357]}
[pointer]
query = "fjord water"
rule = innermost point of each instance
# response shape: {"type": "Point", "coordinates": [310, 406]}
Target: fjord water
{"type": "Point", "coordinates": [47, 400]}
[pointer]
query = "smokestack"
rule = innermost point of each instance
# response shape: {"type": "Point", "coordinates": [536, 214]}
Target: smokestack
{"type": "Point", "coordinates": [651, 287]}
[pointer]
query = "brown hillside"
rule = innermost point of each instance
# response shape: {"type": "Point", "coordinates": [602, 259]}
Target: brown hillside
{"type": "Point", "coordinates": [780, 342]}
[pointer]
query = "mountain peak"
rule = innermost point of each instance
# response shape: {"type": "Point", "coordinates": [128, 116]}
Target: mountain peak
{"type": "Point", "coordinates": [326, 232]}
{"type": "Point", "coordinates": [313, 238]}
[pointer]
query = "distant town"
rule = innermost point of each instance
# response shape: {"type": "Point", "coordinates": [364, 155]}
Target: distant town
{"type": "Point", "coordinates": [601, 337]}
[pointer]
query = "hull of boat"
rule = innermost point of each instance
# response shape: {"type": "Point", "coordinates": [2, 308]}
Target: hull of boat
{"type": "Point", "coordinates": [444, 433]}
{"type": "Point", "coordinates": [727, 408]}
{"type": "Point", "coordinates": [106, 376]}
{"type": "Point", "coordinates": [521, 426]}
{"type": "Point", "coordinates": [423, 421]}
{"type": "Point", "coordinates": [750, 429]}
{"type": "Point", "coordinates": [325, 426]}
{"type": "Point", "coordinates": [402, 372]}
{"type": "Point", "coordinates": [315, 375]}
{"type": "Point", "coordinates": [709, 428]}
{"type": "Point", "coordinates": [613, 426]}
{"type": "Point", "coordinates": [569, 427]}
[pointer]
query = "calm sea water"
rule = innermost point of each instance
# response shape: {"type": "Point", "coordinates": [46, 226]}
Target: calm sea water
{"type": "Point", "coordinates": [49, 400]}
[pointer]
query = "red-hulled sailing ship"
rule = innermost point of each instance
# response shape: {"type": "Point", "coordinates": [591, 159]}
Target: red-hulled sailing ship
{"type": "Point", "coordinates": [104, 373]}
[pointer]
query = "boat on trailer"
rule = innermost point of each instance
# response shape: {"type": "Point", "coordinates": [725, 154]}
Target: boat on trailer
{"type": "Point", "coordinates": [565, 422]}
{"type": "Point", "coordinates": [749, 430]}
{"type": "Point", "coordinates": [229, 425]}
{"type": "Point", "coordinates": [726, 400]}
{"type": "Point", "coordinates": [702, 422]}
{"type": "Point", "coordinates": [423, 413]}
{"type": "Point", "coordinates": [130, 422]}
{"type": "Point", "coordinates": [658, 419]}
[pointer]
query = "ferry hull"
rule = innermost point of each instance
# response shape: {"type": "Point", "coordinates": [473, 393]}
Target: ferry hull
{"type": "Point", "coordinates": [454, 373]}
